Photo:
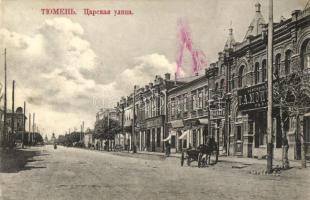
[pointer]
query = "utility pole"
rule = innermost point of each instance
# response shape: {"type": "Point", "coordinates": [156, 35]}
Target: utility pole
{"type": "Point", "coordinates": [29, 130]}
{"type": "Point", "coordinates": [81, 134]}
{"type": "Point", "coordinates": [5, 102]}
{"type": "Point", "coordinates": [12, 117]}
{"type": "Point", "coordinates": [270, 96]}
{"type": "Point", "coordinates": [24, 124]}
{"type": "Point", "coordinates": [133, 120]}
{"type": "Point", "coordinates": [33, 126]}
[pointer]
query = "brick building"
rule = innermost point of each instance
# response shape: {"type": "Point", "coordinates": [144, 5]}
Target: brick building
{"type": "Point", "coordinates": [246, 96]}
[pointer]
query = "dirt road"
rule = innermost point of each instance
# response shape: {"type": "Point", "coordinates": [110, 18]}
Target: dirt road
{"type": "Point", "coordinates": [69, 173]}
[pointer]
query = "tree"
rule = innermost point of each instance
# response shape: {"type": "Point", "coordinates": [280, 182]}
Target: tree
{"type": "Point", "coordinates": [289, 94]}
{"type": "Point", "coordinates": [106, 129]}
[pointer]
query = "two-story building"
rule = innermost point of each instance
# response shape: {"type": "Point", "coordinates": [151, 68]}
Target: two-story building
{"type": "Point", "coordinates": [151, 112]}
{"type": "Point", "coordinates": [188, 113]}
{"type": "Point", "coordinates": [246, 64]}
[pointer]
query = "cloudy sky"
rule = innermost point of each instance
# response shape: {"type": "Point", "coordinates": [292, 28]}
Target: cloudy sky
{"type": "Point", "coordinates": [67, 67]}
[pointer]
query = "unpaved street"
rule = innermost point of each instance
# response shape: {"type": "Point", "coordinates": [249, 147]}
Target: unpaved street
{"type": "Point", "coordinates": [68, 173]}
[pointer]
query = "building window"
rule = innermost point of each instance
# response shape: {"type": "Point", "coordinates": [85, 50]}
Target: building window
{"type": "Point", "coordinates": [305, 55]}
{"type": "Point", "coordinates": [172, 107]}
{"type": "Point", "coordinates": [233, 81]}
{"type": "Point", "coordinates": [222, 84]}
{"type": "Point", "coordinates": [264, 71]}
{"type": "Point", "coordinates": [216, 86]}
{"type": "Point", "coordinates": [185, 102]}
{"type": "Point", "coordinates": [240, 77]}
{"type": "Point", "coordinates": [200, 99]}
{"type": "Point", "coordinates": [256, 73]}
{"type": "Point", "coordinates": [288, 57]}
{"type": "Point", "coordinates": [194, 101]}
{"type": "Point", "coordinates": [277, 65]}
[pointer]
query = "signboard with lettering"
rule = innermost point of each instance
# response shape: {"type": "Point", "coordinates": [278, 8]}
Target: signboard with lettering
{"type": "Point", "coordinates": [252, 97]}
{"type": "Point", "coordinates": [154, 122]}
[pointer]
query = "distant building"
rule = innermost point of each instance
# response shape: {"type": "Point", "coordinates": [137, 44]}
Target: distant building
{"type": "Point", "coordinates": [89, 138]}
{"type": "Point", "coordinates": [19, 121]}
{"type": "Point", "coordinates": [53, 138]}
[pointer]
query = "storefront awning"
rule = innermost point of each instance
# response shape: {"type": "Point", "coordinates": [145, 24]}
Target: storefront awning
{"type": "Point", "coordinates": [203, 121]}
{"type": "Point", "coordinates": [184, 134]}
{"type": "Point", "coordinates": [307, 114]}
{"type": "Point", "coordinates": [177, 124]}
{"type": "Point", "coordinates": [167, 139]}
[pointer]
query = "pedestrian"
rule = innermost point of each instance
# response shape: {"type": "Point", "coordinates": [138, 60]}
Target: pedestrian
{"type": "Point", "coordinates": [168, 148]}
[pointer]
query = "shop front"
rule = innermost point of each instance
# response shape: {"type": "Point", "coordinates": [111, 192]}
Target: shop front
{"type": "Point", "coordinates": [153, 134]}
{"type": "Point", "coordinates": [250, 122]}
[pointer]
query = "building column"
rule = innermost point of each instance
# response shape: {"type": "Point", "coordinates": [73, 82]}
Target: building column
{"type": "Point", "coordinates": [144, 138]}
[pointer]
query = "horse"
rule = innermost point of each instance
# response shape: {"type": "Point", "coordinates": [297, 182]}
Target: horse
{"type": "Point", "coordinates": [205, 151]}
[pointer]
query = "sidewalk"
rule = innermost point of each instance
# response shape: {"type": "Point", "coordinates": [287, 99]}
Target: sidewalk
{"type": "Point", "coordinates": [222, 158]}
{"type": "Point", "coordinates": [234, 159]}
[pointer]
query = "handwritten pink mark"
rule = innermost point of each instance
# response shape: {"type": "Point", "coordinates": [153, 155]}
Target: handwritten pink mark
{"type": "Point", "coordinates": [185, 38]}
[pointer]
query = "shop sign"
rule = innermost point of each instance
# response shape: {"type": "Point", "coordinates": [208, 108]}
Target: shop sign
{"type": "Point", "coordinates": [252, 97]}
{"type": "Point", "coordinates": [154, 122]}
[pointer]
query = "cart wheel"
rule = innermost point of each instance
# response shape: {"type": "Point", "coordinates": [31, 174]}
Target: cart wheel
{"type": "Point", "coordinates": [182, 159]}
{"type": "Point", "coordinates": [188, 161]}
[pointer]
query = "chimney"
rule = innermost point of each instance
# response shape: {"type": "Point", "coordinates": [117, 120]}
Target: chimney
{"type": "Point", "coordinates": [146, 87]}
{"type": "Point", "coordinates": [167, 76]}
{"type": "Point", "coordinates": [151, 85]}
{"type": "Point", "coordinates": [295, 14]}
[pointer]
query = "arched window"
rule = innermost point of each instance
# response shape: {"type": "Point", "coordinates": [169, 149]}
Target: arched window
{"type": "Point", "coordinates": [222, 69]}
{"type": "Point", "coordinates": [222, 84]}
{"type": "Point", "coordinates": [277, 65]}
{"type": "Point", "coordinates": [240, 76]}
{"type": "Point", "coordinates": [288, 56]}
{"type": "Point", "coordinates": [233, 81]}
{"type": "Point", "coordinates": [264, 71]}
{"type": "Point", "coordinates": [256, 73]}
{"type": "Point", "coordinates": [305, 55]}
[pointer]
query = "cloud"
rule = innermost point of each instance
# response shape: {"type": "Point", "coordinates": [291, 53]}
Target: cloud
{"type": "Point", "coordinates": [144, 71]}
{"type": "Point", "coordinates": [48, 66]}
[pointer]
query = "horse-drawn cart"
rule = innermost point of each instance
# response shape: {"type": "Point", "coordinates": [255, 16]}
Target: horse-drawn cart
{"type": "Point", "coordinates": [202, 154]}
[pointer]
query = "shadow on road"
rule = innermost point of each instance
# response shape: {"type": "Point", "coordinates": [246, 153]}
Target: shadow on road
{"type": "Point", "coordinates": [13, 161]}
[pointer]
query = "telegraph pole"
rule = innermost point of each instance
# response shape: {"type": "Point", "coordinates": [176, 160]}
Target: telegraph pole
{"type": "Point", "coordinates": [33, 126]}
{"type": "Point", "coordinates": [5, 102]}
{"type": "Point", "coordinates": [24, 124]}
{"type": "Point", "coordinates": [270, 96]}
{"type": "Point", "coordinates": [13, 113]}
{"type": "Point", "coordinates": [29, 130]}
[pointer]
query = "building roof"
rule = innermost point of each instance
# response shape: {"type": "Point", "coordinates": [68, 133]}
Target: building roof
{"type": "Point", "coordinates": [255, 27]}
{"type": "Point", "coordinates": [190, 78]}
